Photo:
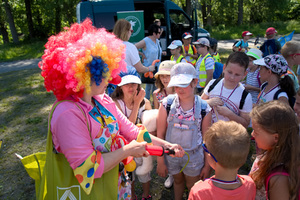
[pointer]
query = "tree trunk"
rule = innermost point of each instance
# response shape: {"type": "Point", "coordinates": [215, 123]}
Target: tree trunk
{"type": "Point", "coordinates": [189, 7]}
{"type": "Point", "coordinates": [57, 17]}
{"type": "Point", "coordinates": [4, 32]}
{"type": "Point", "coordinates": [11, 22]}
{"type": "Point", "coordinates": [209, 18]}
{"type": "Point", "coordinates": [240, 12]}
{"type": "Point", "coordinates": [204, 14]}
{"type": "Point", "coordinates": [29, 18]}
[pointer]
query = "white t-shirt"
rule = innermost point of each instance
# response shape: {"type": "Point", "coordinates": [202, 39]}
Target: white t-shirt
{"type": "Point", "coordinates": [269, 96]}
{"type": "Point", "coordinates": [233, 103]}
{"type": "Point", "coordinates": [132, 54]}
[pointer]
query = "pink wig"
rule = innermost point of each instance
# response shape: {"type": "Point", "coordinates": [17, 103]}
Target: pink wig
{"type": "Point", "coordinates": [74, 58]}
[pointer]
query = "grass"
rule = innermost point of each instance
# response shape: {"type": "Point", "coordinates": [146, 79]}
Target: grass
{"type": "Point", "coordinates": [21, 51]}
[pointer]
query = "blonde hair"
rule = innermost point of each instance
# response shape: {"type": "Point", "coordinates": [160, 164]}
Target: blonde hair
{"type": "Point", "coordinates": [276, 117]}
{"type": "Point", "coordinates": [121, 29]}
{"type": "Point", "coordinates": [229, 142]}
{"type": "Point", "coordinates": [290, 48]}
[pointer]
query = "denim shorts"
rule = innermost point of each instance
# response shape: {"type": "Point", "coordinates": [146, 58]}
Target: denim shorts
{"type": "Point", "coordinates": [193, 168]}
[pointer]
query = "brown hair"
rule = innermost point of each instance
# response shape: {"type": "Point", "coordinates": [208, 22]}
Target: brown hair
{"type": "Point", "coordinates": [229, 142]}
{"type": "Point", "coordinates": [278, 117]}
{"type": "Point", "coordinates": [121, 29]}
{"type": "Point", "coordinates": [238, 58]}
{"type": "Point", "coordinates": [290, 48]}
{"type": "Point", "coordinates": [118, 94]}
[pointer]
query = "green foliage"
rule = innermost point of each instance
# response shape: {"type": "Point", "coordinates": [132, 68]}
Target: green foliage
{"type": "Point", "coordinates": [21, 51]}
{"type": "Point", "coordinates": [224, 32]}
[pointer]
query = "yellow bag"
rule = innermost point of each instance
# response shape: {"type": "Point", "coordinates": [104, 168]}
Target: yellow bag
{"type": "Point", "coordinates": [57, 181]}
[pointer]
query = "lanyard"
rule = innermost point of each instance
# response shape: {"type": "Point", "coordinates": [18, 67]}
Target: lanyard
{"type": "Point", "coordinates": [261, 92]}
{"type": "Point", "coordinates": [229, 94]}
{"type": "Point", "coordinates": [102, 118]}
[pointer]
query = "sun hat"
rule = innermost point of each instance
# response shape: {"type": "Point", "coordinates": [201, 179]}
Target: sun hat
{"type": "Point", "coordinates": [276, 63]}
{"type": "Point", "coordinates": [203, 41]}
{"type": "Point", "coordinates": [186, 35]}
{"type": "Point", "coordinates": [182, 74]}
{"type": "Point", "coordinates": [254, 53]}
{"type": "Point", "coordinates": [129, 76]}
{"type": "Point", "coordinates": [270, 31]}
{"type": "Point", "coordinates": [245, 33]}
{"type": "Point", "coordinates": [165, 68]}
{"type": "Point", "coordinates": [175, 44]}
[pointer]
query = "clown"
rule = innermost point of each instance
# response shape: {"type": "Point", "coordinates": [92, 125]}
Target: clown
{"type": "Point", "coordinates": [88, 136]}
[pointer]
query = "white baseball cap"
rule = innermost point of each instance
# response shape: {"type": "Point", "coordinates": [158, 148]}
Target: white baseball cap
{"type": "Point", "coordinates": [130, 79]}
{"type": "Point", "coordinates": [182, 75]}
{"type": "Point", "coordinates": [203, 41]}
{"type": "Point", "coordinates": [175, 44]}
{"type": "Point", "coordinates": [254, 53]}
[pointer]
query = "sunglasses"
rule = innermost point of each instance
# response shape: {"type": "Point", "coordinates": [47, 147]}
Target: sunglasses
{"type": "Point", "coordinates": [205, 149]}
{"type": "Point", "coordinates": [200, 46]}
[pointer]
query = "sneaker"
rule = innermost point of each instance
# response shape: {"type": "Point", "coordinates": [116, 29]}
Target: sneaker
{"type": "Point", "coordinates": [147, 198]}
{"type": "Point", "coordinates": [169, 181]}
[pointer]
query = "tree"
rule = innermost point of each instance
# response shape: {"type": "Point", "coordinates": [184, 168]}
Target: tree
{"type": "Point", "coordinates": [11, 22]}
{"type": "Point", "coordinates": [29, 18]}
{"type": "Point", "coordinates": [240, 12]}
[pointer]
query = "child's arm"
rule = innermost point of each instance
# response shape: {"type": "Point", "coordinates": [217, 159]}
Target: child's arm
{"type": "Point", "coordinates": [243, 119]}
{"type": "Point", "coordinates": [206, 123]}
{"type": "Point", "coordinates": [161, 123]}
{"type": "Point", "coordinates": [155, 100]}
{"type": "Point", "coordinates": [278, 188]}
{"type": "Point", "coordinates": [213, 101]}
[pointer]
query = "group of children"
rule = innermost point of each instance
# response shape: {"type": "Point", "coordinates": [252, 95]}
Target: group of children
{"type": "Point", "coordinates": [212, 128]}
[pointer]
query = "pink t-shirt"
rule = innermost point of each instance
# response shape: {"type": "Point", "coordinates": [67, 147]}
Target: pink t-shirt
{"type": "Point", "coordinates": [207, 190]}
{"type": "Point", "coordinates": [70, 134]}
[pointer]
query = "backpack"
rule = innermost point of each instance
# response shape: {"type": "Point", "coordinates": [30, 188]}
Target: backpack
{"type": "Point", "coordinates": [292, 100]}
{"type": "Point", "coordinates": [218, 70]}
{"type": "Point", "coordinates": [233, 46]}
{"type": "Point", "coordinates": [171, 97]}
{"type": "Point", "coordinates": [244, 94]}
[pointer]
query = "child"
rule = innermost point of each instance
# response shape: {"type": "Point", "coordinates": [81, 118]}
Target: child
{"type": "Point", "coordinates": [189, 51]}
{"type": "Point", "coordinates": [227, 96]}
{"type": "Point", "coordinates": [276, 132]}
{"type": "Point", "coordinates": [276, 83]}
{"type": "Point", "coordinates": [184, 117]}
{"type": "Point", "coordinates": [216, 56]}
{"type": "Point", "coordinates": [271, 45]}
{"type": "Point", "coordinates": [162, 80]}
{"type": "Point", "coordinates": [242, 45]}
{"type": "Point", "coordinates": [291, 53]}
{"type": "Point", "coordinates": [253, 83]}
{"type": "Point", "coordinates": [205, 64]}
{"type": "Point", "coordinates": [130, 99]}
{"type": "Point", "coordinates": [227, 147]}
{"type": "Point", "coordinates": [176, 51]}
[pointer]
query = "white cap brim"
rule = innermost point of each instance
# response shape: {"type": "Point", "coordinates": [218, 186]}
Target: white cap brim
{"type": "Point", "coordinates": [172, 46]}
{"type": "Point", "coordinates": [130, 79]}
{"type": "Point", "coordinates": [181, 80]}
{"type": "Point", "coordinates": [249, 33]}
{"type": "Point", "coordinates": [260, 62]}
{"type": "Point", "coordinates": [188, 36]}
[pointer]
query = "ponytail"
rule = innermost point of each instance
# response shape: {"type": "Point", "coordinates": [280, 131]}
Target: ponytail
{"type": "Point", "coordinates": [287, 85]}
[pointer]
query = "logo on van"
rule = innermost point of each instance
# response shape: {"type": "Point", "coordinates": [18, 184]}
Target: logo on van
{"type": "Point", "coordinates": [135, 23]}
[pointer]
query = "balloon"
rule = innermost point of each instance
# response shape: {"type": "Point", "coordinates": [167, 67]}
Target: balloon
{"type": "Point", "coordinates": [130, 167]}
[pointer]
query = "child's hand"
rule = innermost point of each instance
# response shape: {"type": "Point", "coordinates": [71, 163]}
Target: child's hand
{"type": "Point", "coordinates": [138, 98]}
{"type": "Point", "coordinates": [223, 110]}
{"type": "Point", "coordinates": [161, 169]}
{"type": "Point", "coordinates": [205, 172]}
{"type": "Point", "coordinates": [216, 101]}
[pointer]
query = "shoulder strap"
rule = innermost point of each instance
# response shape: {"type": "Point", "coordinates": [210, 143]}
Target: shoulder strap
{"type": "Point", "coordinates": [242, 102]}
{"type": "Point", "coordinates": [270, 176]}
{"type": "Point", "coordinates": [275, 97]}
{"type": "Point", "coordinates": [203, 107]}
{"type": "Point", "coordinates": [170, 99]}
{"type": "Point", "coordinates": [212, 86]}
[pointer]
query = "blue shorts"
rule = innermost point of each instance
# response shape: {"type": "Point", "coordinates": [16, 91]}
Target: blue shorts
{"type": "Point", "coordinates": [193, 168]}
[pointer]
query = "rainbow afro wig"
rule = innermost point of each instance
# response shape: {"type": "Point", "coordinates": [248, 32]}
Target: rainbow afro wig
{"type": "Point", "coordinates": [79, 56]}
